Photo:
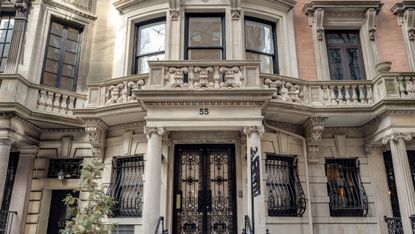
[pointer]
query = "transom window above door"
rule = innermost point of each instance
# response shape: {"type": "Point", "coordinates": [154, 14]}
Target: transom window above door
{"type": "Point", "coordinates": [149, 44]}
{"type": "Point", "coordinates": [205, 37]}
{"type": "Point", "coordinates": [260, 43]}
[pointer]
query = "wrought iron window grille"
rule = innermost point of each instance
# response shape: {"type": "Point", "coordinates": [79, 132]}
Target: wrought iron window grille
{"type": "Point", "coordinates": [285, 193]}
{"type": "Point", "coordinates": [394, 225]}
{"type": "Point", "coordinates": [126, 186]}
{"type": "Point", "coordinates": [345, 188]}
{"type": "Point", "coordinates": [70, 168]}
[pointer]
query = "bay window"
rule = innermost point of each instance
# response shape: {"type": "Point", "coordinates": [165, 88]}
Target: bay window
{"type": "Point", "coordinates": [6, 32]}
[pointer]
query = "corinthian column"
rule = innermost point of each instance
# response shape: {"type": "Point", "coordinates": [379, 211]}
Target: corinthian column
{"type": "Point", "coordinates": [256, 189]}
{"type": "Point", "coordinates": [402, 170]}
{"type": "Point", "coordinates": [152, 179]}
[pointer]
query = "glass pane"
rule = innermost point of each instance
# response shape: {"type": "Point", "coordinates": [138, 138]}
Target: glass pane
{"type": "Point", "coordinates": [70, 58]}
{"type": "Point", "coordinates": [204, 54]}
{"type": "Point", "coordinates": [5, 22]}
{"type": "Point", "coordinates": [71, 46]}
{"type": "Point", "coordinates": [267, 63]}
{"type": "Point", "coordinates": [51, 66]}
{"type": "Point", "coordinates": [3, 35]}
{"type": "Point", "coordinates": [342, 38]}
{"type": "Point", "coordinates": [55, 41]}
{"type": "Point", "coordinates": [11, 23]}
{"type": "Point", "coordinates": [259, 37]}
{"type": "Point", "coordinates": [66, 83]}
{"type": "Point", "coordinates": [56, 28]}
{"type": "Point", "coordinates": [54, 53]}
{"type": "Point", "coordinates": [335, 64]}
{"type": "Point", "coordinates": [6, 50]}
{"type": "Point", "coordinates": [1, 49]}
{"type": "Point", "coordinates": [3, 64]}
{"type": "Point", "coordinates": [68, 70]}
{"type": "Point", "coordinates": [73, 34]}
{"type": "Point", "coordinates": [205, 31]}
{"type": "Point", "coordinates": [354, 64]}
{"type": "Point", "coordinates": [152, 38]}
{"type": "Point", "coordinates": [142, 65]}
{"type": "Point", "coordinates": [9, 35]}
{"type": "Point", "coordinates": [49, 79]}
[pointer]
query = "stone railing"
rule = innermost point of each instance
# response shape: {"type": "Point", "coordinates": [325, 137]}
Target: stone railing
{"type": "Point", "coordinates": [115, 91]}
{"type": "Point", "coordinates": [15, 89]}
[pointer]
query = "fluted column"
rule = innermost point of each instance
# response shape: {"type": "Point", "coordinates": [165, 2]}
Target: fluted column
{"type": "Point", "coordinates": [403, 177]}
{"type": "Point", "coordinates": [256, 202]}
{"type": "Point", "coordinates": [22, 9]}
{"type": "Point", "coordinates": [5, 146]}
{"type": "Point", "coordinates": [152, 178]}
{"type": "Point", "coordinates": [22, 187]}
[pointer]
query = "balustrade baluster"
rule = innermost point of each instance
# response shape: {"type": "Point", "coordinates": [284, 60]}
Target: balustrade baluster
{"type": "Point", "coordinates": [355, 99]}
{"type": "Point", "coordinates": [216, 77]}
{"type": "Point", "coordinates": [347, 94]}
{"type": "Point", "coordinates": [333, 99]}
{"type": "Point", "coordinates": [409, 86]}
{"type": "Point", "coordinates": [42, 100]}
{"type": "Point", "coordinates": [326, 93]}
{"type": "Point", "coordinates": [363, 98]}
{"type": "Point", "coordinates": [56, 103]}
{"type": "Point", "coordinates": [402, 89]}
{"type": "Point", "coordinates": [340, 95]}
{"type": "Point", "coordinates": [71, 104]}
{"type": "Point", "coordinates": [49, 101]}
{"type": "Point", "coordinates": [64, 104]}
{"type": "Point", "coordinates": [369, 94]}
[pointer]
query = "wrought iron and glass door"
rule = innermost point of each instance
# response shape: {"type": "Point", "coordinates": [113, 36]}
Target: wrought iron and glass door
{"type": "Point", "coordinates": [204, 193]}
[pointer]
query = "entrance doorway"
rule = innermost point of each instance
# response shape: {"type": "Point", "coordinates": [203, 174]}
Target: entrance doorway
{"type": "Point", "coordinates": [204, 189]}
{"type": "Point", "coordinates": [58, 214]}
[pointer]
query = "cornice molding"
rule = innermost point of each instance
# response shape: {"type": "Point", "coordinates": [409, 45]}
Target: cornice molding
{"type": "Point", "coordinates": [342, 6]}
{"type": "Point", "coordinates": [128, 125]}
{"type": "Point", "coordinates": [203, 103]}
{"type": "Point", "coordinates": [84, 14]}
{"type": "Point", "coordinates": [401, 7]}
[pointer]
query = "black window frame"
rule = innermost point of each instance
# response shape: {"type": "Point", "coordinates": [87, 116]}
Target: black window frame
{"type": "Point", "coordinates": [275, 62]}
{"type": "Point", "coordinates": [355, 207]}
{"type": "Point", "coordinates": [10, 15]}
{"type": "Point", "coordinates": [344, 57]}
{"type": "Point", "coordinates": [66, 24]}
{"type": "Point", "coordinates": [186, 33]}
{"type": "Point", "coordinates": [134, 69]}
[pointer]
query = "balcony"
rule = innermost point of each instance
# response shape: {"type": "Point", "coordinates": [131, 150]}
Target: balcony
{"type": "Point", "coordinates": [6, 220]}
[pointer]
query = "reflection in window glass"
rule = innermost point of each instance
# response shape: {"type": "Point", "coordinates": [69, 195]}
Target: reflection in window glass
{"type": "Point", "coordinates": [259, 43]}
{"type": "Point", "coordinates": [62, 55]}
{"type": "Point", "coordinates": [6, 32]}
{"type": "Point", "coordinates": [150, 44]}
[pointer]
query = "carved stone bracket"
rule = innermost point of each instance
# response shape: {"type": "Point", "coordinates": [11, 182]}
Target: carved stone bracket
{"type": "Point", "coordinates": [254, 129]}
{"type": "Point", "coordinates": [394, 137]}
{"type": "Point", "coordinates": [314, 127]}
{"type": "Point", "coordinates": [236, 14]}
{"type": "Point", "coordinates": [406, 15]}
{"type": "Point", "coordinates": [97, 131]}
{"type": "Point", "coordinates": [319, 22]}
{"type": "Point", "coordinates": [22, 9]}
{"type": "Point", "coordinates": [154, 130]}
{"type": "Point", "coordinates": [174, 10]}
{"type": "Point", "coordinates": [371, 22]}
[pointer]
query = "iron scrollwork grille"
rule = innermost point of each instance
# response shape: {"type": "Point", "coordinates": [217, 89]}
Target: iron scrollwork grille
{"type": "Point", "coordinates": [345, 188]}
{"type": "Point", "coordinates": [70, 167]}
{"type": "Point", "coordinates": [285, 193]}
{"type": "Point", "coordinates": [127, 186]}
{"type": "Point", "coordinates": [394, 225]}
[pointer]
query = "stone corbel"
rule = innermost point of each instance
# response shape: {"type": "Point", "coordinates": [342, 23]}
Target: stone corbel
{"type": "Point", "coordinates": [409, 20]}
{"type": "Point", "coordinates": [314, 127]}
{"type": "Point", "coordinates": [395, 137]}
{"type": "Point", "coordinates": [319, 23]}
{"type": "Point", "coordinates": [249, 130]}
{"type": "Point", "coordinates": [22, 9]}
{"type": "Point", "coordinates": [235, 9]}
{"type": "Point", "coordinates": [371, 22]}
{"type": "Point", "coordinates": [97, 131]}
{"type": "Point", "coordinates": [174, 10]}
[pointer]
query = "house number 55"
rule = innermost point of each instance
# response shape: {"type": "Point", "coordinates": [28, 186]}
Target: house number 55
{"type": "Point", "coordinates": [204, 111]}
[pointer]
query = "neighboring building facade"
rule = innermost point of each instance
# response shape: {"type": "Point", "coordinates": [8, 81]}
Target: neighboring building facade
{"type": "Point", "coordinates": [280, 116]}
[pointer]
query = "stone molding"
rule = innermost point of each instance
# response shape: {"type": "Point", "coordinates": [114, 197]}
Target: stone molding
{"type": "Point", "coordinates": [128, 125]}
{"type": "Point", "coordinates": [72, 10]}
{"type": "Point", "coordinates": [22, 9]}
{"type": "Point", "coordinates": [405, 11]}
{"type": "Point", "coordinates": [374, 147]}
{"type": "Point", "coordinates": [249, 130]}
{"type": "Point", "coordinates": [154, 130]}
{"type": "Point", "coordinates": [314, 127]}
{"type": "Point", "coordinates": [28, 150]}
{"type": "Point", "coordinates": [394, 137]}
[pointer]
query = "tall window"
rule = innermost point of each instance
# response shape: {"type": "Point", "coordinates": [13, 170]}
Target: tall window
{"type": "Point", "coordinates": [61, 64]}
{"type": "Point", "coordinates": [345, 188]}
{"type": "Point", "coordinates": [150, 44]}
{"type": "Point", "coordinates": [6, 32]}
{"type": "Point", "coordinates": [345, 55]}
{"type": "Point", "coordinates": [127, 186]}
{"type": "Point", "coordinates": [285, 194]}
{"type": "Point", "coordinates": [260, 43]}
{"type": "Point", "coordinates": [205, 37]}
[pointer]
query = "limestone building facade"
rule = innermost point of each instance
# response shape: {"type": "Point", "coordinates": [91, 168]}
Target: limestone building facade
{"type": "Point", "coordinates": [211, 116]}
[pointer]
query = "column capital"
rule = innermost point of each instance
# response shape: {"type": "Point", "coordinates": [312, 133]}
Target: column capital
{"type": "Point", "coordinates": [248, 130]}
{"type": "Point", "coordinates": [28, 150]}
{"type": "Point", "coordinates": [154, 130]}
{"type": "Point", "coordinates": [394, 137]}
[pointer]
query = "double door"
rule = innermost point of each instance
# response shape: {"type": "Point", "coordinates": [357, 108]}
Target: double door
{"type": "Point", "coordinates": [204, 189]}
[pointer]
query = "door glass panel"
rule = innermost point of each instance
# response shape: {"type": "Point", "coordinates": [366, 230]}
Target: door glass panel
{"type": "Point", "coordinates": [335, 64]}
{"type": "Point", "coordinates": [205, 31]}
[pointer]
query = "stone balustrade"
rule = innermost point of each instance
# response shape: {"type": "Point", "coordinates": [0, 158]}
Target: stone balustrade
{"type": "Point", "coordinates": [57, 101]}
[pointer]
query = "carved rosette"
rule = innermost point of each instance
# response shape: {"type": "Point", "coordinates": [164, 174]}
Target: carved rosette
{"type": "Point", "coordinates": [249, 130]}
{"type": "Point", "coordinates": [314, 127]}
{"type": "Point", "coordinates": [395, 137]}
{"type": "Point", "coordinates": [149, 131]}
{"type": "Point", "coordinates": [97, 131]}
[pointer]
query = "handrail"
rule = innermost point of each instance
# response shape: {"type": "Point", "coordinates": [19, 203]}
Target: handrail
{"type": "Point", "coordinates": [160, 220]}
{"type": "Point", "coordinates": [248, 227]}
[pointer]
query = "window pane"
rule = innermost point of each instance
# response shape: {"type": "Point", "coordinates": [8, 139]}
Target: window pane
{"type": "Point", "coordinates": [70, 58]}
{"type": "Point", "coordinates": [6, 22]}
{"type": "Point", "coordinates": [68, 70]}
{"type": "Point", "coordinates": [205, 31]}
{"type": "Point", "coordinates": [267, 64]}
{"type": "Point", "coordinates": [152, 38]}
{"type": "Point", "coordinates": [342, 38]}
{"type": "Point", "coordinates": [54, 53]}
{"type": "Point", "coordinates": [259, 37]}
{"type": "Point", "coordinates": [66, 83]}
{"type": "Point", "coordinates": [9, 35]}
{"type": "Point", "coordinates": [205, 54]}
{"type": "Point", "coordinates": [49, 79]}
{"type": "Point", "coordinates": [55, 41]}
{"type": "Point", "coordinates": [71, 46]}
{"type": "Point", "coordinates": [73, 34]}
{"type": "Point", "coordinates": [3, 64]}
{"type": "Point", "coordinates": [143, 65]}
{"type": "Point", "coordinates": [56, 29]}
{"type": "Point", "coordinates": [6, 50]}
{"type": "Point", "coordinates": [354, 64]}
{"type": "Point", "coordinates": [335, 64]}
{"type": "Point", "coordinates": [3, 33]}
{"type": "Point", "coordinates": [51, 66]}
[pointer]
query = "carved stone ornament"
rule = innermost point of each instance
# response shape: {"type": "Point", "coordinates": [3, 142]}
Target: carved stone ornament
{"type": "Point", "coordinates": [314, 127]}
{"type": "Point", "coordinates": [253, 129]}
{"type": "Point", "coordinates": [174, 14]}
{"type": "Point", "coordinates": [371, 22]}
{"type": "Point", "coordinates": [22, 8]}
{"type": "Point", "coordinates": [405, 11]}
{"type": "Point", "coordinates": [374, 147]}
{"type": "Point", "coordinates": [153, 130]}
{"type": "Point", "coordinates": [319, 22]}
{"type": "Point", "coordinates": [394, 137]}
{"type": "Point", "coordinates": [409, 20]}
{"type": "Point", "coordinates": [236, 14]}
{"type": "Point", "coordinates": [97, 131]}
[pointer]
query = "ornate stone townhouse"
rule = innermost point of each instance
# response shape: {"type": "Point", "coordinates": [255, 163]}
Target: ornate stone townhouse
{"type": "Point", "coordinates": [211, 116]}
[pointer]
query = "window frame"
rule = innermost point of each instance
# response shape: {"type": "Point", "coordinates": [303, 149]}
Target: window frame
{"type": "Point", "coordinates": [9, 14]}
{"type": "Point", "coordinates": [204, 15]}
{"type": "Point", "coordinates": [275, 61]}
{"type": "Point", "coordinates": [58, 76]}
{"type": "Point", "coordinates": [134, 69]}
{"type": "Point", "coordinates": [343, 53]}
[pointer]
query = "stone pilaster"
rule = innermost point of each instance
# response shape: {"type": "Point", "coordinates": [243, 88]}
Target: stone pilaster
{"type": "Point", "coordinates": [256, 203]}
{"type": "Point", "coordinates": [314, 127]}
{"type": "Point", "coordinates": [22, 187]}
{"type": "Point", "coordinates": [97, 131]}
{"type": "Point", "coordinates": [378, 174]}
{"type": "Point", "coordinates": [402, 170]}
{"type": "Point", "coordinates": [152, 178]}
{"type": "Point", "coordinates": [5, 147]}
{"type": "Point", "coordinates": [22, 10]}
